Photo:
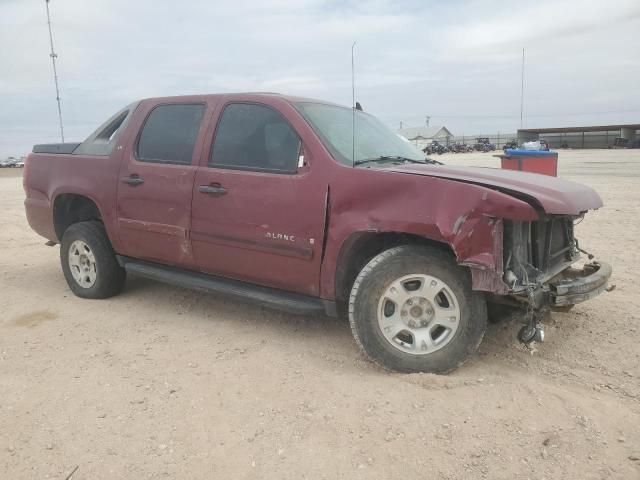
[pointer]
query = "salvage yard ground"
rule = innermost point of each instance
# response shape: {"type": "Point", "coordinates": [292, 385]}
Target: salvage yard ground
{"type": "Point", "coordinates": [162, 382]}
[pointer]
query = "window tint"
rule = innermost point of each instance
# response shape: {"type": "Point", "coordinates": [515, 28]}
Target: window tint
{"type": "Point", "coordinates": [169, 134]}
{"type": "Point", "coordinates": [255, 137]}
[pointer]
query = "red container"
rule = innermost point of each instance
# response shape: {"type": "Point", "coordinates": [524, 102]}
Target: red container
{"type": "Point", "coordinates": [534, 161]}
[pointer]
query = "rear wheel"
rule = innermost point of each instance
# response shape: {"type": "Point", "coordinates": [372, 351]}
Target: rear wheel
{"type": "Point", "coordinates": [89, 263]}
{"type": "Point", "coordinates": [412, 309]}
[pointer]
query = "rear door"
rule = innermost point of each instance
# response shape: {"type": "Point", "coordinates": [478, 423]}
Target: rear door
{"type": "Point", "coordinates": [156, 183]}
{"type": "Point", "coordinates": [258, 204]}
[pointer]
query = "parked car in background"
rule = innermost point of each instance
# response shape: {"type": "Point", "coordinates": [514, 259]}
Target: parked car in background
{"type": "Point", "coordinates": [277, 200]}
{"type": "Point", "coordinates": [8, 162]}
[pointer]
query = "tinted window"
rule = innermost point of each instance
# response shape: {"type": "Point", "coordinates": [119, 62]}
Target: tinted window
{"type": "Point", "coordinates": [255, 137]}
{"type": "Point", "coordinates": [170, 133]}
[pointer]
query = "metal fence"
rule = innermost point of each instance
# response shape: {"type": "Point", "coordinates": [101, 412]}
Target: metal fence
{"type": "Point", "coordinates": [578, 140]}
{"type": "Point", "coordinates": [604, 139]}
{"type": "Point", "coordinates": [498, 139]}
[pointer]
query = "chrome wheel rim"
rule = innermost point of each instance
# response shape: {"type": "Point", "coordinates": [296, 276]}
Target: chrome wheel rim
{"type": "Point", "coordinates": [418, 314]}
{"type": "Point", "coordinates": [82, 264]}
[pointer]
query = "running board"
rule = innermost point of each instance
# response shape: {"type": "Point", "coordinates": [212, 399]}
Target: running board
{"type": "Point", "coordinates": [257, 294]}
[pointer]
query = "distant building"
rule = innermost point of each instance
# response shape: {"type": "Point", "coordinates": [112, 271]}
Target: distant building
{"type": "Point", "coordinates": [423, 136]}
{"type": "Point", "coordinates": [593, 136]}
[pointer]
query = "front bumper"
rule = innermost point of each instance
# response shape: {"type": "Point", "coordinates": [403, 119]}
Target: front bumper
{"type": "Point", "coordinates": [574, 285]}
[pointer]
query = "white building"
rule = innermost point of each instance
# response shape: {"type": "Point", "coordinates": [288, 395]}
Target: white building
{"type": "Point", "coordinates": [423, 136]}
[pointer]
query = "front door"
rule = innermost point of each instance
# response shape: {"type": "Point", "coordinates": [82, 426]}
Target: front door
{"type": "Point", "coordinates": [258, 210]}
{"type": "Point", "coordinates": [156, 184]}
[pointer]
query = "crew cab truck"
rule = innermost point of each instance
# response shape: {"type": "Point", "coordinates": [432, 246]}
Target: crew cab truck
{"type": "Point", "coordinates": [279, 200]}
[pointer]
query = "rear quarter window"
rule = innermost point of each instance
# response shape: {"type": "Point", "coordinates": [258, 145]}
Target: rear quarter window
{"type": "Point", "coordinates": [103, 140]}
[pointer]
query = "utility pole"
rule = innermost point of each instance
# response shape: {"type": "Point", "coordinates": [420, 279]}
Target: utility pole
{"type": "Point", "coordinates": [522, 89]}
{"type": "Point", "coordinates": [53, 56]}
{"type": "Point", "coordinates": [400, 124]}
{"type": "Point", "coordinates": [426, 119]}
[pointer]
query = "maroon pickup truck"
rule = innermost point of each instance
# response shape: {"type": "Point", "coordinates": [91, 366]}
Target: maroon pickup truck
{"type": "Point", "coordinates": [280, 200]}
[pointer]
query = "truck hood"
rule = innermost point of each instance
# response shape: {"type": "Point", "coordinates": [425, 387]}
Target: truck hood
{"type": "Point", "coordinates": [554, 195]}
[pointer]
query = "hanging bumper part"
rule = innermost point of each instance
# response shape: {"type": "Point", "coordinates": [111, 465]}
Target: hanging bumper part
{"type": "Point", "coordinates": [579, 285]}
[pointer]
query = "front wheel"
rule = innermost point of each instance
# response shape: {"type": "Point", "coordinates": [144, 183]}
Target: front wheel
{"type": "Point", "coordinates": [412, 309]}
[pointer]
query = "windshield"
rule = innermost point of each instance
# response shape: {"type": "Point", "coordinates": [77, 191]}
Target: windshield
{"type": "Point", "coordinates": [373, 140]}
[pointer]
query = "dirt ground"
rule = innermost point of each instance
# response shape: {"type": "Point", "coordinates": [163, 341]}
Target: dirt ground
{"type": "Point", "coordinates": [162, 382]}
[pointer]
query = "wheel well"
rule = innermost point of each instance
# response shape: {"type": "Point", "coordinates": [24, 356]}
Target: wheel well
{"type": "Point", "coordinates": [69, 208]}
{"type": "Point", "coordinates": [362, 247]}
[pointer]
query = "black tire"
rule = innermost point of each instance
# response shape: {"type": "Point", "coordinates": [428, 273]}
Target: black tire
{"type": "Point", "coordinates": [109, 275]}
{"type": "Point", "coordinates": [393, 264]}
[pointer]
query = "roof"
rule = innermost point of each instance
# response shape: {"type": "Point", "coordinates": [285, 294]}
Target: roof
{"type": "Point", "coordinates": [240, 96]}
{"type": "Point", "coordinates": [412, 133]}
{"type": "Point", "coordinates": [591, 128]}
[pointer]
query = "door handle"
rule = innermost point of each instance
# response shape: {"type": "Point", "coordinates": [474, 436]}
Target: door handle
{"type": "Point", "coordinates": [133, 180]}
{"type": "Point", "coordinates": [214, 189]}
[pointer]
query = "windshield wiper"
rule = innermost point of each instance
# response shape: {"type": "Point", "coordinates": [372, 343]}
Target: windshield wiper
{"type": "Point", "coordinates": [398, 158]}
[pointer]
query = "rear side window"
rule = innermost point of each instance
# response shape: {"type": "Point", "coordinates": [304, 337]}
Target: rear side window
{"type": "Point", "coordinates": [255, 137]}
{"type": "Point", "coordinates": [103, 140]}
{"type": "Point", "coordinates": [170, 133]}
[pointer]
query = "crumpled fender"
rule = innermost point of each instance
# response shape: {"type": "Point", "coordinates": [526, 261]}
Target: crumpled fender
{"type": "Point", "coordinates": [466, 217]}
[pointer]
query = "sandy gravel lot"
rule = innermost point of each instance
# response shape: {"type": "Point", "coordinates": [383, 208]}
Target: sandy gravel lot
{"type": "Point", "coordinates": [162, 382]}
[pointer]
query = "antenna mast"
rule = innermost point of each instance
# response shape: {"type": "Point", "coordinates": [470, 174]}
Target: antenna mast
{"type": "Point", "coordinates": [522, 89]}
{"type": "Point", "coordinates": [53, 56]}
{"type": "Point", "coordinates": [353, 108]}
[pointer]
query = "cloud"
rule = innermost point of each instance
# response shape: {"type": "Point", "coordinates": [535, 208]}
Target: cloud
{"type": "Point", "coordinates": [541, 23]}
{"type": "Point", "coordinates": [457, 61]}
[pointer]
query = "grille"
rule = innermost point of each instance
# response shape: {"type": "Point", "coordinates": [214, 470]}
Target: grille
{"type": "Point", "coordinates": [538, 248]}
{"type": "Point", "coordinates": [552, 243]}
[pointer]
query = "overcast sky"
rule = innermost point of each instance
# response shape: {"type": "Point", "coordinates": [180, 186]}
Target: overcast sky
{"type": "Point", "coordinates": [456, 61]}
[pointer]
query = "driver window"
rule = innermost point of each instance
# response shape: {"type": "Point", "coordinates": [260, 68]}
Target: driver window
{"type": "Point", "coordinates": [254, 137]}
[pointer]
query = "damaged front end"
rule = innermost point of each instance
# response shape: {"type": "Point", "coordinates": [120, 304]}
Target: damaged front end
{"type": "Point", "coordinates": [538, 258]}
{"type": "Point", "coordinates": [515, 232]}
